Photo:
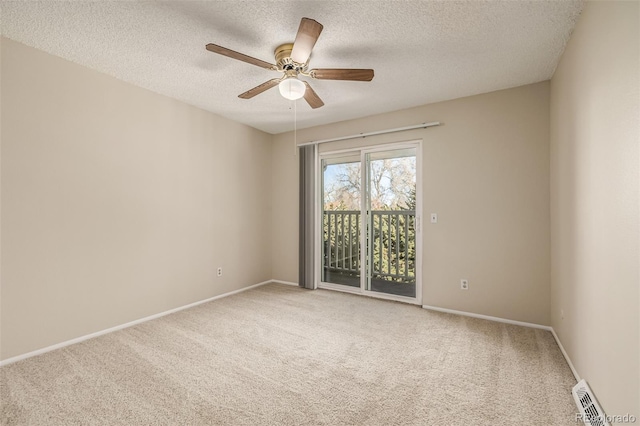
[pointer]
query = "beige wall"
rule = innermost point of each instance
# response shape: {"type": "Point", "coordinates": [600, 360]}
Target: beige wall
{"type": "Point", "coordinates": [118, 203]}
{"type": "Point", "coordinates": [486, 174]}
{"type": "Point", "coordinates": [595, 178]}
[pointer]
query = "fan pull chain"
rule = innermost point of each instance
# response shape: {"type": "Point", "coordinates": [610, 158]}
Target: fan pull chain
{"type": "Point", "coordinates": [295, 128]}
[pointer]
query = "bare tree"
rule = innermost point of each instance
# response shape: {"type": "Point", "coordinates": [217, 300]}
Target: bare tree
{"type": "Point", "coordinates": [344, 191]}
{"type": "Point", "coordinates": [391, 183]}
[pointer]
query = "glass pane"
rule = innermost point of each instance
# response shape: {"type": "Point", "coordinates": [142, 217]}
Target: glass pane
{"type": "Point", "coordinates": [341, 222]}
{"type": "Point", "coordinates": [391, 222]}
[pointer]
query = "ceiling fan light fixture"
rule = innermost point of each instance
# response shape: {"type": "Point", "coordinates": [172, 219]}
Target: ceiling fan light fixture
{"type": "Point", "coordinates": [292, 88]}
{"type": "Point", "coordinates": [292, 59]}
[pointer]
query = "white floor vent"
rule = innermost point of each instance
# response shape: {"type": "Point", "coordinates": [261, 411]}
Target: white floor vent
{"type": "Point", "coordinates": [590, 411]}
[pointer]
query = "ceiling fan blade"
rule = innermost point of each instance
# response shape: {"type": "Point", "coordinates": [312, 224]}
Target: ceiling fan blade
{"type": "Point", "coordinates": [308, 34]}
{"type": "Point", "coordinates": [239, 56]}
{"type": "Point", "coordinates": [261, 88]}
{"type": "Point", "coordinates": [312, 97]}
{"type": "Point", "coordinates": [342, 74]}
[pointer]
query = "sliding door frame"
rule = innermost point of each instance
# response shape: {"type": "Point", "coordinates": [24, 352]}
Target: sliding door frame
{"type": "Point", "coordinates": [363, 151]}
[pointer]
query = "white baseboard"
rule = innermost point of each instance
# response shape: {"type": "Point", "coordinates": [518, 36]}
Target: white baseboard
{"type": "Point", "coordinates": [122, 326]}
{"type": "Point", "coordinates": [487, 317]}
{"type": "Point", "coordinates": [285, 282]}
{"type": "Point", "coordinates": [508, 321]}
{"type": "Point", "coordinates": [566, 356]}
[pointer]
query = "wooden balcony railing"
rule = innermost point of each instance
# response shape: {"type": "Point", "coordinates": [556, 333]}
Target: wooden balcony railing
{"type": "Point", "coordinates": [391, 250]}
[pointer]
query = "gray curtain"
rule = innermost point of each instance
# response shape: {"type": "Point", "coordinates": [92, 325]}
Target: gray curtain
{"type": "Point", "coordinates": [307, 215]}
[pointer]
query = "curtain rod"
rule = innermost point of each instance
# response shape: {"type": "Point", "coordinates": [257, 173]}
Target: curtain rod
{"type": "Point", "coordinates": [379, 132]}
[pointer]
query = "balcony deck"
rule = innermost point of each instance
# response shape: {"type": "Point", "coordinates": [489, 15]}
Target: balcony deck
{"type": "Point", "coordinates": [378, 285]}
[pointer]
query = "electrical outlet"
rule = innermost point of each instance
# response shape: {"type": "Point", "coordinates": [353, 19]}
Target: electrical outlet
{"type": "Point", "coordinates": [464, 284]}
{"type": "Point", "coordinates": [220, 271]}
{"type": "Point", "coordinates": [434, 217]}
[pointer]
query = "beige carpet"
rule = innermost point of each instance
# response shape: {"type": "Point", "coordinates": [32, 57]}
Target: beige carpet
{"type": "Point", "coordinates": [279, 355]}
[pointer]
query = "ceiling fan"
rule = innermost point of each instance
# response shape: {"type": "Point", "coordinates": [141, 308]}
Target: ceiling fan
{"type": "Point", "coordinates": [292, 59]}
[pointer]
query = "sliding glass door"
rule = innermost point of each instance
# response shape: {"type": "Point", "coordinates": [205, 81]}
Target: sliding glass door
{"type": "Point", "coordinates": [341, 220]}
{"type": "Point", "coordinates": [369, 222]}
{"type": "Point", "coordinates": [391, 219]}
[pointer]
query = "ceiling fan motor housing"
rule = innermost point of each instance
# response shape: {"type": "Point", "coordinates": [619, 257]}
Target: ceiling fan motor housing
{"type": "Point", "coordinates": [284, 61]}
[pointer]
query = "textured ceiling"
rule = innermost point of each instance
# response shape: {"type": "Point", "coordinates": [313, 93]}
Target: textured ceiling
{"type": "Point", "coordinates": [421, 51]}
